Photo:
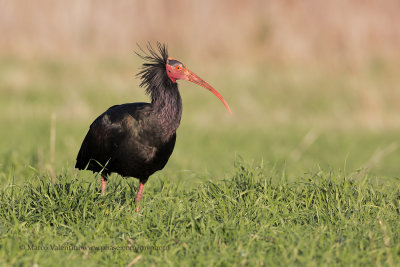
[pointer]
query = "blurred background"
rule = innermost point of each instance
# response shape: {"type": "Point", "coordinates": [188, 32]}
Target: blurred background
{"type": "Point", "coordinates": [338, 31]}
{"type": "Point", "coordinates": [311, 84]}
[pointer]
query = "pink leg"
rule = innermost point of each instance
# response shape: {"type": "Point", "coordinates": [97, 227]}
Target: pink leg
{"type": "Point", "coordinates": [139, 195]}
{"type": "Point", "coordinates": [103, 185]}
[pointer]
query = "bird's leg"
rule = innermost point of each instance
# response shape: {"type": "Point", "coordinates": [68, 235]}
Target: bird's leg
{"type": "Point", "coordinates": [103, 185]}
{"type": "Point", "coordinates": [140, 193]}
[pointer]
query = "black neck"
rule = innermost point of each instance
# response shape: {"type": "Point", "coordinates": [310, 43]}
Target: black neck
{"type": "Point", "coordinates": [165, 97]}
{"type": "Point", "coordinates": [167, 105]}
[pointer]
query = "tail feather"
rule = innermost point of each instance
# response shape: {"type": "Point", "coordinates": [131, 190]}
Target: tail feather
{"type": "Point", "coordinates": [82, 159]}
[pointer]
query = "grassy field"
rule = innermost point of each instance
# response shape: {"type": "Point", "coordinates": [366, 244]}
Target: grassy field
{"type": "Point", "coordinates": [305, 171]}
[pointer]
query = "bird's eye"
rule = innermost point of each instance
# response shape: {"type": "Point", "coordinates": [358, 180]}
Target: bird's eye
{"type": "Point", "coordinates": [178, 67]}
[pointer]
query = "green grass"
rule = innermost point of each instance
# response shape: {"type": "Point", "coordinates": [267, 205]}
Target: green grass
{"type": "Point", "coordinates": [305, 171]}
{"type": "Point", "coordinates": [250, 218]}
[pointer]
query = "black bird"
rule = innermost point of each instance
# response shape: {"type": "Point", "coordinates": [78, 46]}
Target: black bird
{"type": "Point", "coordinates": [137, 139]}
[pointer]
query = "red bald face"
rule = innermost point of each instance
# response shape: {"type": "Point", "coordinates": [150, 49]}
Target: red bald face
{"type": "Point", "coordinates": [175, 69]}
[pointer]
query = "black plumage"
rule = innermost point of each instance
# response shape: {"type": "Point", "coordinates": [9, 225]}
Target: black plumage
{"type": "Point", "coordinates": [137, 139]}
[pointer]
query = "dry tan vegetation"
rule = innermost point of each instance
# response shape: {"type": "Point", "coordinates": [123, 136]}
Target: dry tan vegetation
{"type": "Point", "coordinates": [338, 30]}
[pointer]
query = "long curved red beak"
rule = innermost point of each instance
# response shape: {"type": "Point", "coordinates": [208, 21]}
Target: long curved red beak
{"type": "Point", "coordinates": [192, 77]}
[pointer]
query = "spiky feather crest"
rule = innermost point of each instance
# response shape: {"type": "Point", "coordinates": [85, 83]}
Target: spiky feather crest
{"type": "Point", "coordinates": [153, 73]}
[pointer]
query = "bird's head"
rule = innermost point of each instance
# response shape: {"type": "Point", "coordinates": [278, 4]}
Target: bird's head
{"type": "Point", "coordinates": [176, 70]}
